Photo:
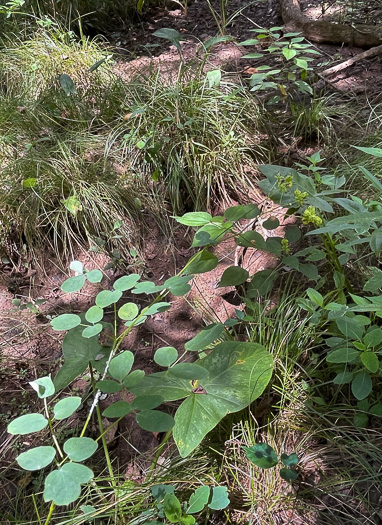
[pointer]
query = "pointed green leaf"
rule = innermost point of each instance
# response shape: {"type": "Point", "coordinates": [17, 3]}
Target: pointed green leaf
{"type": "Point", "coordinates": [343, 378]}
{"type": "Point", "coordinates": [342, 355]}
{"type": "Point", "coordinates": [199, 499]}
{"type": "Point", "coordinates": [315, 297]}
{"type": "Point", "coordinates": [373, 337]}
{"type": "Point", "coordinates": [370, 361]}
{"type": "Point", "coordinates": [66, 407]}
{"type": "Point", "coordinates": [134, 378]}
{"type": "Point", "coordinates": [27, 424]}
{"type": "Point", "coordinates": [205, 337]}
{"type": "Point", "coordinates": [80, 448]}
{"type": "Point", "coordinates": [196, 218]}
{"type": "Point", "coordinates": [121, 365]}
{"type": "Point", "coordinates": [157, 307]}
{"type": "Point", "coordinates": [233, 276]}
{"type": "Point", "coordinates": [36, 458]}
{"type": "Point", "coordinates": [204, 262]}
{"type": "Point", "coordinates": [65, 322]}
{"type": "Point", "coordinates": [67, 84]}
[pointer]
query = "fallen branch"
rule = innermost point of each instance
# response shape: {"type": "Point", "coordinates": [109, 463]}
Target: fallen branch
{"type": "Point", "coordinates": [344, 65]}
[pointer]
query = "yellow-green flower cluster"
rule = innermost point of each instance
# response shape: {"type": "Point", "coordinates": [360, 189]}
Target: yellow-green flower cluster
{"type": "Point", "coordinates": [309, 217]}
{"type": "Point", "coordinates": [284, 183]}
{"type": "Point", "coordinates": [285, 246]}
{"type": "Point", "coordinates": [300, 197]}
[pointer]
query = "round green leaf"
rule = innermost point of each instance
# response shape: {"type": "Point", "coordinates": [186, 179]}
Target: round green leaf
{"type": "Point", "coordinates": [146, 402]}
{"type": "Point", "coordinates": [77, 267]}
{"type": "Point", "coordinates": [128, 311]}
{"type": "Point", "coordinates": [362, 385]}
{"type": "Point", "coordinates": [73, 284]}
{"type": "Point", "coordinates": [94, 314]}
{"type": "Point", "coordinates": [107, 297]}
{"type": "Point", "coordinates": [117, 409]}
{"type": "Point", "coordinates": [127, 282]}
{"type": "Point", "coordinates": [36, 458]}
{"type": "Point", "coordinates": [65, 322]}
{"type": "Point", "coordinates": [147, 287]}
{"type": "Point", "coordinates": [63, 486]}
{"type": "Point", "coordinates": [166, 356]}
{"type": "Point", "coordinates": [121, 365]}
{"type": "Point", "coordinates": [188, 371]}
{"type": "Point", "coordinates": [91, 331]}
{"type": "Point", "coordinates": [271, 224]}
{"type": "Point", "coordinates": [155, 421]}
{"type": "Point", "coordinates": [262, 455]}
{"type": "Point", "coordinates": [79, 449]}
{"type": "Point", "coordinates": [233, 276]}
{"type": "Point", "coordinates": [291, 460]}
{"type": "Point", "coordinates": [95, 276]}
{"type": "Point", "coordinates": [43, 386]}
{"type": "Point", "coordinates": [27, 424]}
{"type": "Point", "coordinates": [288, 474]}
{"type": "Point", "coordinates": [108, 386]}
{"type": "Point", "coordinates": [66, 407]}
{"type": "Point", "coordinates": [134, 378]}
{"type": "Point", "coordinates": [370, 361]}
{"type": "Point", "coordinates": [360, 420]}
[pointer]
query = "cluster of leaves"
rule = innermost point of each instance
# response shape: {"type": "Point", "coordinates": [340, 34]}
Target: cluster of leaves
{"type": "Point", "coordinates": [263, 456]}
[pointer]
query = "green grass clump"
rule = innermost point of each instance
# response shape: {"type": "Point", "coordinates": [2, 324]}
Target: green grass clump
{"type": "Point", "coordinates": [199, 144]}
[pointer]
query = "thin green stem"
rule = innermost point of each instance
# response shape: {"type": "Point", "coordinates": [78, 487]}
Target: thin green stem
{"type": "Point", "coordinates": [50, 514]}
{"type": "Point", "coordinates": [36, 509]}
{"type": "Point", "coordinates": [52, 430]}
{"type": "Point", "coordinates": [157, 456]}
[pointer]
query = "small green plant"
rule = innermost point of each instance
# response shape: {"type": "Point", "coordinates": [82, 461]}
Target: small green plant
{"type": "Point", "coordinates": [263, 456]}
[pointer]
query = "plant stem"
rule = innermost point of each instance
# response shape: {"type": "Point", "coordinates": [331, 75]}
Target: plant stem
{"type": "Point", "coordinates": [51, 429]}
{"type": "Point", "coordinates": [51, 510]}
{"type": "Point", "coordinates": [157, 456]}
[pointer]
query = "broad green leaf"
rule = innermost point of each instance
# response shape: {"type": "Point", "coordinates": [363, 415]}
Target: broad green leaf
{"type": "Point", "coordinates": [65, 322]}
{"type": "Point", "coordinates": [235, 213]}
{"type": "Point", "coordinates": [120, 365]}
{"type": "Point", "coordinates": [309, 270]}
{"type": "Point", "coordinates": [205, 338]}
{"type": "Point", "coordinates": [108, 386]}
{"type": "Point", "coordinates": [43, 386]}
{"type": "Point", "coordinates": [63, 486]}
{"type": "Point", "coordinates": [219, 499]}
{"type": "Point", "coordinates": [209, 234]}
{"type": "Point", "coordinates": [195, 218]}
{"type": "Point", "coordinates": [233, 276]}
{"type": "Point", "coordinates": [66, 407]}
{"type": "Point", "coordinates": [117, 409]}
{"type": "Point", "coordinates": [77, 266]}
{"type": "Point", "coordinates": [172, 508]}
{"type": "Point", "coordinates": [27, 424]}
{"type": "Point", "coordinates": [128, 311]}
{"type": "Point", "coordinates": [271, 223]}
{"type": "Point", "coordinates": [370, 361]}
{"type": "Point", "coordinates": [262, 455]}
{"type": "Point", "coordinates": [160, 491]}
{"type": "Point", "coordinates": [94, 314]}
{"type": "Point", "coordinates": [261, 283]}
{"type": "Point", "coordinates": [204, 262]}
{"type": "Point", "coordinates": [157, 307]}
{"type": "Point", "coordinates": [288, 474]}
{"type": "Point", "coordinates": [146, 402]}
{"type": "Point", "coordinates": [166, 356]}
{"type": "Point", "coordinates": [126, 282]}
{"type": "Point", "coordinates": [78, 352]}
{"type": "Point", "coordinates": [315, 296]}
{"type": "Point", "coordinates": [198, 500]}
{"type": "Point", "coordinates": [376, 410]}
{"type": "Point", "coordinates": [36, 458]}
{"type": "Point", "coordinates": [251, 239]}
{"type": "Point", "coordinates": [293, 233]}
{"type": "Point", "coordinates": [147, 287]}
{"type": "Point", "coordinates": [375, 282]}
{"type": "Point", "coordinates": [178, 283]}
{"type": "Point", "coordinates": [373, 337]}
{"type": "Point", "coordinates": [67, 84]}
{"type": "Point", "coordinates": [291, 460]}
{"type": "Point", "coordinates": [188, 371]}
{"type": "Point", "coordinates": [155, 421]}
{"type": "Point", "coordinates": [350, 328]}
{"type": "Point", "coordinates": [73, 205]}
{"type": "Point", "coordinates": [214, 77]}
{"type": "Point", "coordinates": [133, 378]}
{"type": "Point", "coordinates": [171, 388]}
{"type": "Point", "coordinates": [107, 298]}
{"type": "Point", "coordinates": [289, 53]}
{"type": "Point", "coordinates": [343, 378]}
{"type": "Point", "coordinates": [91, 331]}
{"type": "Point", "coordinates": [362, 385]}
{"type": "Point", "coordinates": [94, 276]}
{"type": "Point", "coordinates": [169, 34]}
{"type": "Point", "coordinates": [342, 355]}
{"type": "Point", "coordinates": [80, 448]}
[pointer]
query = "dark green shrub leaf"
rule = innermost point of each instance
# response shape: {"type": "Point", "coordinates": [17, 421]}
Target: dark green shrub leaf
{"type": "Point", "coordinates": [196, 218]}
{"type": "Point", "coordinates": [91, 331]}
{"type": "Point", "coordinates": [188, 371]}
{"type": "Point", "coordinates": [362, 385]}
{"type": "Point", "coordinates": [261, 283]}
{"type": "Point", "coordinates": [155, 421]}
{"type": "Point", "coordinates": [157, 307]}
{"type": "Point", "coordinates": [350, 328]}
{"type": "Point", "coordinates": [66, 407]}
{"type": "Point", "coordinates": [27, 424]}
{"type": "Point", "coordinates": [233, 276]}
{"type": "Point", "coordinates": [108, 386]}
{"type": "Point", "coordinates": [262, 455]}
{"type": "Point", "coordinates": [73, 284]}
{"type": "Point", "coordinates": [204, 262]}
{"type": "Point", "coordinates": [289, 461]}
{"type": "Point", "coordinates": [271, 223]}
{"type": "Point", "coordinates": [288, 474]}
{"type": "Point", "coordinates": [166, 356]}
{"type": "Point", "coordinates": [146, 402]}
{"type": "Point", "coordinates": [63, 486]}
{"type": "Point", "coordinates": [373, 337]}
{"type": "Point", "coordinates": [80, 448]}
{"type": "Point", "coordinates": [315, 296]}
{"type": "Point", "coordinates": [235, 213]}
{"type": "Point", "coordinates": [343, 378]}
{"type": "Point", "coordinates": [209, 234]}
{"type": "Point", "coordinates": [205, 337]}
{"type": "Point", "coordinates": [342, 355]}
{"type": "Point", "coordinates": [160, 491]}
{"type": "Point", "coordinates": [126, 282]}
{"type": "Point", "coordinates": [128, 311]}
{"type": "Point", "coordinates": [360, 420]}
{"type": "Point", "coordinates": [94, 314]}
{"type": "Point", "coordinates": [94, 276]}
{"type": "Point", "coordinates": [43, 386]}
{"type": "Point", "coordinates": [120, 366]}
{"type": "Point", "coordinates": [376, 410]}
{"type": "Point", "coordinates": [65, 322]}
{"type": "Point", "coordinates": [370, 361]}
{"type": "Point", "coordinates": [36, 458]}
{"type": "Point", "coordinates": [107, 298]}
{"type": "Point", "coordinates": [219, 499]}
{"type": "Point", "coordinates": [134, 378]}
{"type": "Point", "coordinates": [172, 508]}
{"type": "Point", "coordinates": [117, 409]}
{"type": "Point", "coordinates": [293, 233]}
{"type": "Point", "coordinates": [309, 270]}
{"type": "Point", "coordinates": [199, 499]}
{"type": "Point", "coordinates": [251, 239]}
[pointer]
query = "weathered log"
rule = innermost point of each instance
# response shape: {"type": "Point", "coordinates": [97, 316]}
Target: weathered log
{"type": "Point", "coordinates": [344, 65]}
{"type": "Point", "coordinates": [320, 31]}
